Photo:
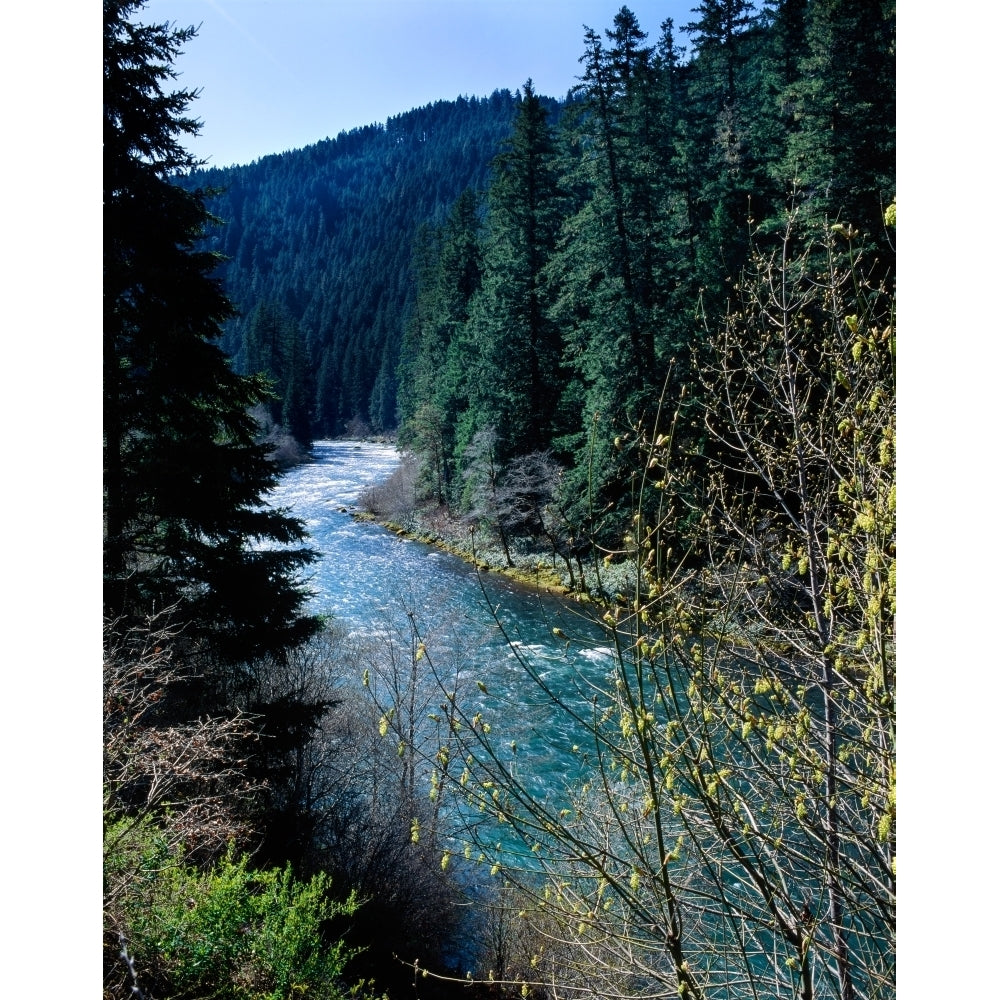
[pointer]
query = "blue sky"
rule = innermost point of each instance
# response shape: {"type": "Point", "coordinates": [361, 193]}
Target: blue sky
{"type": "Point", "coordinates": [281, 74]}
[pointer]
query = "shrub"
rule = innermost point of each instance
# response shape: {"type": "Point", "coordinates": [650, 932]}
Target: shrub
{"type": "Point", "coordinates": [228, 932]}
{"type": "Point", "coordinates": [396, 497]}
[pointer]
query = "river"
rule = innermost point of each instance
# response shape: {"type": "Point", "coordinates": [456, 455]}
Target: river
{"type": "Point", "coordinates": [374, 583]}
{"type": "Point", "coordinates": [484, 636]}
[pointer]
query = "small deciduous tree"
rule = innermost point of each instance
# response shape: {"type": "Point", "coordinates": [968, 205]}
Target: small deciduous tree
{"type": "Point", "coordinates": [735, 830]}
{"type": "Point", "coordinates": [189, 777]}
{"type": "Point", "coordinates": [482, 473]}
{"type": "Point", "coordinates": [182, 911]}
{"type": "Point", "coordinates": [396, 746]}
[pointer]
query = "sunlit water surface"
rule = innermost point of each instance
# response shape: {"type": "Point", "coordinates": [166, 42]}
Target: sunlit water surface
{"type": "Point", "coordinates": [371, 581]}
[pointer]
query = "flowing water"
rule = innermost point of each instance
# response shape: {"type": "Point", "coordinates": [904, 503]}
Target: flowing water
{"type": "Point", "coordinates": [375, 583]}
{"type": "Point", "coordinates": [478, 630]}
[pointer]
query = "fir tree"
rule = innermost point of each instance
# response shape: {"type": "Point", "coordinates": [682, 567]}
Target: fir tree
{"type": "Point", "coordinates": [437, 367]}
{"type": "Point", "coordinates": [716, 41]}
{"type": "Point", "coordinates": [516, 342]}
{"type": "Point", "coordinates": [186, 524]}
{"type": "Point", "coordinates": [842, 143]}
{"type": "Point", "coordinates": [276, 348]}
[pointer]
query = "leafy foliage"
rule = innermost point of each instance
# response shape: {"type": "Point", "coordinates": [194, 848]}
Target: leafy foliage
{"type": "Point", "coordinates": [229, 931]}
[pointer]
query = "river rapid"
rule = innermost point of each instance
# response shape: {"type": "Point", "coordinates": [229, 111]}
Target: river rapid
{"type": "Point", "coordinates": [480, 629]}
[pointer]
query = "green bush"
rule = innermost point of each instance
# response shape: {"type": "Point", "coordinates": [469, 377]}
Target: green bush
{"type": "Point", "coordinates": [227, 933]}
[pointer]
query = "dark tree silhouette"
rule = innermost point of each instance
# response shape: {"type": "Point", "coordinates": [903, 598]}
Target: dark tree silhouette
{"type": "Point", "coordinates": [186, 523]}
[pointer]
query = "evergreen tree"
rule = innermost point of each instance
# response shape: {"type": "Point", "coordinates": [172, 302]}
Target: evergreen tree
{"type": "Point", "coordinates": [716, 41]}
{"type": "Point", "coordinates": [328, 391]}
{"type": "Point", "coordinates": [382, 405]}
{"type": "Point", "coordinates": [516, 343]}
{"type": "Point", "coordinates": [414, 352]}
{"type": "Point", "coordinates": [676, 177]}
{"type": "Point", "coordinates": [778, 70]}
{"type": "Point", "coordinates": [786, 20]}
{"type": "Point", "coordinates": [297, 388]}
{"type": "Point", "coordinates": [437, 370]}
{"type": "Point", "coordinates": [842, 143]}
{"type": "Point", "coordinates": [186, 525]}
{"type": "Point", "coordinates": [607, 83]}
{"type": "Point", "coordinates": [276, 348]}
{"type": "Point", "coordinates": [607, 270]}
{"type": "Point", "coordinates": [725, 101]}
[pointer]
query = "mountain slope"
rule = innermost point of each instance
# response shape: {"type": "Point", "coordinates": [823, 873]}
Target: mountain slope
{"type": "Point", "coordinates": [322, 237]}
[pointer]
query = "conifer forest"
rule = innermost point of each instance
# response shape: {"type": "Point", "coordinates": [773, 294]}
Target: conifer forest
{"type": "Point", "coordinates": [636, 347]}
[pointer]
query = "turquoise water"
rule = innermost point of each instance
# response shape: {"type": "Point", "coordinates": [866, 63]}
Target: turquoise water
{"type": "Point", "coordinates": [486, 640]}
{"type": "Point", "coordinates": [481, 630]}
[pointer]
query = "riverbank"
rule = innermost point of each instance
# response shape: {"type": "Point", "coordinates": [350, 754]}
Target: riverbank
{"type": "Point", "coordinates": [454, 537]}
{"type": "Point", "coordinates": [392, 505]}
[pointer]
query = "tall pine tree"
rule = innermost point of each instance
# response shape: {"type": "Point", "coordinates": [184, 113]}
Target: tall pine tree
{"type": "Point", "coordinates": [187, 529]}
{"type": "Point", "coordinates": [434, 372]}
{"type": "Point", "coordinates": [517, 344]}
{"type": "Point", "coordinates": [841, 147]}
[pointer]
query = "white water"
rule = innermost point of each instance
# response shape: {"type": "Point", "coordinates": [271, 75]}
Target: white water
{"type": "Point", "coordinates": [373, 582]}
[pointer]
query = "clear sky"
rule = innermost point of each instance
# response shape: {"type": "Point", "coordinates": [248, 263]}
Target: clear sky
{"type": "Point", "coordinates": [281, 74]}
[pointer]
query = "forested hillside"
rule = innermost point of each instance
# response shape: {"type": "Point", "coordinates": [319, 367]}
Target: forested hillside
{"type": "Point", "coordinates": [614, 239]}
{"type": "Point", "coordinates": [517, 269]}
{"type": "Point", "coordinates": [319, 244]}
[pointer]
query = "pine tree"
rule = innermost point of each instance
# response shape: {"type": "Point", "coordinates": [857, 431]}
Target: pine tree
{"type": "Point", "coordinates": [677, 180]}
{"type": "Point", "coordinates": [716, 41]}
{"type": "Point", "coordinates": [436, 370]}
{"type": "Point", "coordinates": [606, 270]}
{"type": "Point", "coordinates": [276, 348]}
{"type": "Point", "coordinates": [842, 146]}
{"type": "Point", "coordinates": [607, 83]}
{"type": "Point", "coordinates": [186, 523]}
{"type": "Point", "coordinates": [725, 98]}
{"type": "Point", "coordinates": [516, 341]}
